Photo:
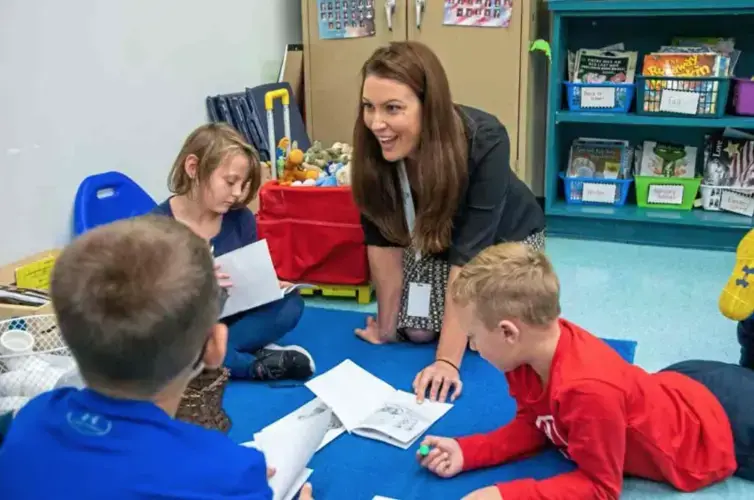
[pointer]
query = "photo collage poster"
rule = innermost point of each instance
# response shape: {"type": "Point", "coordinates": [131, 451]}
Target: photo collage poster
{"type": "Point", "coordinates": [340, 19]}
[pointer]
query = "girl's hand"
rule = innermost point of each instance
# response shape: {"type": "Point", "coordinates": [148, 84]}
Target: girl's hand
{"type": "Point", "coordinates": [222, 278]}
{"type": "Point", "coordinates": [284, 284]}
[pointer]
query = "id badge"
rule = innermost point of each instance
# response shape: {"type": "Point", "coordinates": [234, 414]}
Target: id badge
{"type": "Point", "coordinates": [418, 300]}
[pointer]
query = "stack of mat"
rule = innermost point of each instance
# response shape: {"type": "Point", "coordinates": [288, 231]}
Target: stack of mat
{"type": "Point", "coordinates": [356, 468]}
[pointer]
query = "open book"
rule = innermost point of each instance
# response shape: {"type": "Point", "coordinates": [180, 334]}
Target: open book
{"type": "Point", "coordinates": [372, 408]}
{"type": "Point", "coordinates": [288, 448]}
{"type": "Point", "coordinates": [314, 407]}
{"type": "Point", "coordinates": [255, 282]}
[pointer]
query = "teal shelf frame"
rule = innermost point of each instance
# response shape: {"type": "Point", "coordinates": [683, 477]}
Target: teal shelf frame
{"type": "Point", "coordinates": [630, 223]}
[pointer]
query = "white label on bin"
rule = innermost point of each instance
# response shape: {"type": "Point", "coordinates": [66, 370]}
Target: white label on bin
{"type": "Point", "coordinates": [737, 203]}
{"type": "Point", "coordinates": [677, 101]}
{"type": "Point", "coordinates": [598, 192]}
{"type": "Point", "coordinates": [665, 194]}
{"type": "Point", "coordinates": [597, 97]}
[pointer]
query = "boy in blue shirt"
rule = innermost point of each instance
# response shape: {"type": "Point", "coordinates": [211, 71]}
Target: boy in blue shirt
{"type": "Point", "coordinates": [137, 302]}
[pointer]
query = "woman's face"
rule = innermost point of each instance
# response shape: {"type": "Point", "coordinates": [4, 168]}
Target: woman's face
{"type": "Point", "coordinates": [394, 115]}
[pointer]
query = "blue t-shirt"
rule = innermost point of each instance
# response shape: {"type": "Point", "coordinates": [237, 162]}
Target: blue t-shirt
{"type": "Point", "coordinates": [238, 229]}
{"type": "Point", "coordinates": [71, 443]}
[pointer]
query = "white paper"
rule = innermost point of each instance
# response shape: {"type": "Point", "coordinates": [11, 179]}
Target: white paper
{"type": "Point", "coordinates": [288, 449]}
{"type": "Point", "coordinates": [351, 392]}
{"type": "Point", "coordinates": [371, 408]}
{"type": "Point", "coordinates": [254, 279]}
{"type": "Point", "coordinates": [667, 194]}
{"type": "Point", "coordinates": [677, 101]}
{"type": "Point", "coordinates": [596, 192]}
{"type": "Point", "coordinates": [401, 421]}
{"type": "Point", "coordinates": [419, 295]}
{"type": "Point", "coordinates": [313, 407]}
{"type": "Point", "coordinates": [378, 497]}
{"type": "Point", "coordinates": [597, 97]}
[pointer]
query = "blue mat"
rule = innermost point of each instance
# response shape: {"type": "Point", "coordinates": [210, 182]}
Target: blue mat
{"type": "Point", "coordinates": [358, 468]}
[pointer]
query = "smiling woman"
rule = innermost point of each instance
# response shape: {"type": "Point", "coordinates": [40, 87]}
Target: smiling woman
{"type": "Point", "coordinates": [433, 182]}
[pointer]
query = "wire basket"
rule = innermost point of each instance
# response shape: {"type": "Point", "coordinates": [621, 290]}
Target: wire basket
{"type": "Point", "coordinates": [202, 403]}
{"type": "Point", "coordinates": [33, 359]}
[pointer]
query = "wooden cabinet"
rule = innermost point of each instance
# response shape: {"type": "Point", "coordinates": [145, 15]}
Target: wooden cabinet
{"type": "Point", "coordinates": [488, 68]}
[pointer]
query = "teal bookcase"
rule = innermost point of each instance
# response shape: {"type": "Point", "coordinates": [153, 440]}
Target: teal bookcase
{"type": "Point", "coordinates": [643, 26]}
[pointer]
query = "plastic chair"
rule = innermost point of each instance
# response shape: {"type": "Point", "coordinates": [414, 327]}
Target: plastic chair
{"type": "Point", "coordinates": [107, 197]}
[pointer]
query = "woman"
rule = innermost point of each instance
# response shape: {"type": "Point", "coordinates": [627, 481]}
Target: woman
{"type": "Point", "coordinates": [214, 177]}
{"type": "Point", "coordinates": [433, 182]}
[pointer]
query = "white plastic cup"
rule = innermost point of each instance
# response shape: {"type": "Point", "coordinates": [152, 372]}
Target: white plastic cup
{"type": "Point", "coordinates": [15, 347]}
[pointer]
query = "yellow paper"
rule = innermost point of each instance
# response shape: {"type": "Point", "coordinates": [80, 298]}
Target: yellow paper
{"type": "Point", "coordinates": [35, 274]}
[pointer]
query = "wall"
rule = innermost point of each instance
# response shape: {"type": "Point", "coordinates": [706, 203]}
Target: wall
{"type": "Point", "coordinates": [88, 86]}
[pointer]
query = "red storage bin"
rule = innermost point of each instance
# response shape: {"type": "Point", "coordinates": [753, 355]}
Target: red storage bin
{"type": "Point", "coordinates": [314, 234]}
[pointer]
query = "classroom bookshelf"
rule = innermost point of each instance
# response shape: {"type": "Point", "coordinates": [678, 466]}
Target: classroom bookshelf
{"type": "Point", "coordinates": [643, 26]}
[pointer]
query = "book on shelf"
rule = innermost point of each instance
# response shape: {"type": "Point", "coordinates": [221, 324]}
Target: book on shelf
{"type": "Point", "coordinates": [600, 159]}
{"type": "Point", "coordinates": [662, 159]}
{"type": "Point", "coordinates": [604, 66]}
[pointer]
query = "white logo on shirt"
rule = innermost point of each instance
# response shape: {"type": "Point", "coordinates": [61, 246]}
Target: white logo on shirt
{"type": "Point", "coordinates": [546, 424]}
{"type": "Point", "coordinates": [89, 424]}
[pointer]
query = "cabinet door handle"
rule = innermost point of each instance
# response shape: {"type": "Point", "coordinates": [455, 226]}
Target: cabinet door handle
{"type": "Point", "coordinates": [389, 11]}
{"type": "Point", "coordinates": [420, 5]}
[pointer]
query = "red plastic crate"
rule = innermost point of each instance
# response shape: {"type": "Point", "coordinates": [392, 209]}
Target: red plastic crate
{"type": "Point", "coordinates": [314, 234]}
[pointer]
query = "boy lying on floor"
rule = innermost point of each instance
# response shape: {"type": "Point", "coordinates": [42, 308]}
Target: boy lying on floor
{"type": "Point", "coordinates": [137, 302]}
{"type": "Point", "coordinates": [687, 425]}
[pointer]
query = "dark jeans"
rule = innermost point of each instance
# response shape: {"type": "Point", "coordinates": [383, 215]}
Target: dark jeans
{"type": "Point", "coordinates": [733, 386]}
{"type": "Point", "coordinates": [746, 340]}
{"type": "Point", "coordinates": [249, 331]}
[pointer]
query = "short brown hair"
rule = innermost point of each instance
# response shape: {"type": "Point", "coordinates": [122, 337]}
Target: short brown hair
{"type": "Point", "coordinates": [135, 302]}
{"type": "Point", "coordinates": [509, 281]}
{"type": "Point", "coordinates": [442, 160]}
{"type": "Point", "coordinates": [212, 144]}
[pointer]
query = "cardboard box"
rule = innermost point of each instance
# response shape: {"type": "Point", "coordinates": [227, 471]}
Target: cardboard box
{"type": "Point", "coordinates": [8, 277]}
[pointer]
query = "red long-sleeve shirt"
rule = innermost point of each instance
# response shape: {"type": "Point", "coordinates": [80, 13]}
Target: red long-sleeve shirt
{"type": "Point", "coordinates": [611, 418]}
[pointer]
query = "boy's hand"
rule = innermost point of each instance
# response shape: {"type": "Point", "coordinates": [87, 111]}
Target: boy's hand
{"type": "Point", "coordinates": [222, 278]}
{"type": "Point", "coordinates": [445, 457]}
{"type": "Point", "coordinates": [488, 493]}
{"type": "Point", "coordinates": [306, 492]}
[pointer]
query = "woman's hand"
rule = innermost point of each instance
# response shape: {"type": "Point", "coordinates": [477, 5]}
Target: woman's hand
{"type": "Point", "coordinates": [445, 458]}
{"type": "Point", "coordinates": [222, 278]}
{"type": "Point", "coordinates": [439, 377]}
{"type": "Point", "coordinates": [372, 333]}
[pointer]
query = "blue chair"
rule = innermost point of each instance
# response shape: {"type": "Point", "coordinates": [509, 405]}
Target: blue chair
{"type": "Point", "coordinates": [107, 197]}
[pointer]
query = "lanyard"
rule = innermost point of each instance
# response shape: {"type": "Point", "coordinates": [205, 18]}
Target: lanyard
{"type": "Point", "coordinates": [408, 202]}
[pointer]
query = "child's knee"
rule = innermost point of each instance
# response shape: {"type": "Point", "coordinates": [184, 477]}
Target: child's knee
{"type": "Point", "coordinates": [290, 311]}
{"type": "Point", "coordinates": [419, 335]}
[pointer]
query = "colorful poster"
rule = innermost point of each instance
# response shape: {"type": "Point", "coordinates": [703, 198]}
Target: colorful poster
{"type": "Point", "coordinates": [480, 13]}
{"type": "Point", "coordinates": [340, 19]}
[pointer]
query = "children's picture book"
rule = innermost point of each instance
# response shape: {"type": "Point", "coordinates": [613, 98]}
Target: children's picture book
{"type": "Point", "coordinates": [255, 282]}
{"type": "Point", "coordinates": [289, 448]}
{"type": "Point", "coordinates": [729, 161]}
{"type": "Point", "coordinates": [305, 412]}
{"type": "Point", "coordinates": [372, 408]}
{"type": "Point", "coordinates": [660, 159]}
{"type": "Point", "coordinates": [600, 158]}
{"type": "Point", "coordinates": [603, 66]}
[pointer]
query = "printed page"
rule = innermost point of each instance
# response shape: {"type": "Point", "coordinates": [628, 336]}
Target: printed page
{"type": "Point", "coordinates": [400, 421]}
{"type": "Point", "coordinates": [352, 392]}
{"type": "Point", "coordinates": [255, 282]}
{"type": "Point", "coordinates": [310, 409]}
{"type": "Point", "coordinates": [298, 484]}
{"type": "Point", "coordinates": [289, 448]}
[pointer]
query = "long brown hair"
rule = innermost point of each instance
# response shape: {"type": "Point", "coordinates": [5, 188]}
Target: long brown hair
{"type": "Point", "coordinates": [441, 166]}
{"type": "Point", "coordinates": [212, 144]}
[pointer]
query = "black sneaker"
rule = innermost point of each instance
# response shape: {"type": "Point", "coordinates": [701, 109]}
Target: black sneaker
{"type": "Point", "coordinates": [275, 362]}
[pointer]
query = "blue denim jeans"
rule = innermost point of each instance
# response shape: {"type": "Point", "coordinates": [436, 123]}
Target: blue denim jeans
{"type": "Point", "coordinates": [249, 331]}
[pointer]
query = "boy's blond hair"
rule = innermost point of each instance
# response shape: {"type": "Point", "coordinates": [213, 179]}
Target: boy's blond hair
{"type": "Point", "coordinates": [212, 144]}
{"type": "Point", "coordinates": [136, 301]}
{"type": "Point", "coordinates": [509, 281]}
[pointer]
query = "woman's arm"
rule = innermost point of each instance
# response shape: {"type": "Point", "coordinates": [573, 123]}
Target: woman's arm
{"type": "Point", "coordinates": [453, 340]}
{"type": "Point", "coordinates": [386, 269]}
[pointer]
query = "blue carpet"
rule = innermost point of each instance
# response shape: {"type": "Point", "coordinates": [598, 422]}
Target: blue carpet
{"type": "Point", "coordinates": [358, 468]}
